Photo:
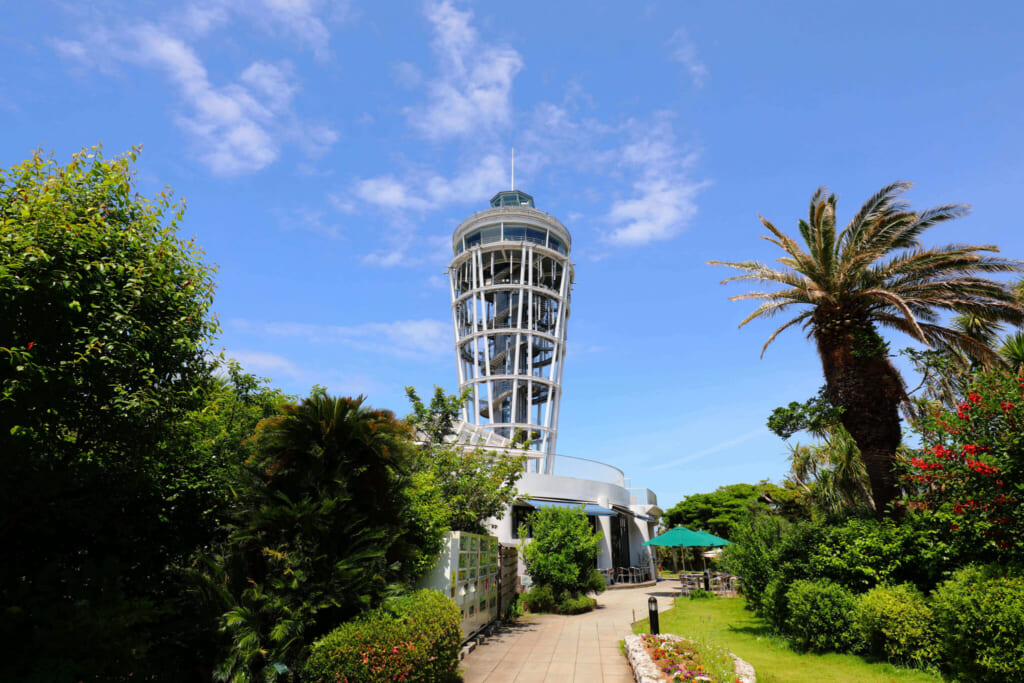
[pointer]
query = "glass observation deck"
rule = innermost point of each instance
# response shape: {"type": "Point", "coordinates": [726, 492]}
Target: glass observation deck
{"type": "Point", "coordinates": [512, 198]}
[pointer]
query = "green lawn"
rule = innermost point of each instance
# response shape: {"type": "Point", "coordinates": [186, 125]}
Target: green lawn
{"type": "Point", "coordinates": [725, 621]}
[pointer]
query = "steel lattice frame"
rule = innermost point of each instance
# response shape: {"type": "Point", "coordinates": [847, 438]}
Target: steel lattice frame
{"type": "Point", "coordinates": [511, 282]}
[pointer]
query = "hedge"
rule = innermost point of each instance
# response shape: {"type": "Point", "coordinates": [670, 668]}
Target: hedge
{"type": "Point", "coordinates": [979, 614]}
{"type": "Point", "coordinates": [819, 615]}
{"type": "Point", "coordinates": [895, 623]}
{"type": "Point", "coordinates": [414, 639]}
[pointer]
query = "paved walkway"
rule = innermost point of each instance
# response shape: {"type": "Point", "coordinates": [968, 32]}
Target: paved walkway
{"type": "Point", "coordinates": [548, 648]}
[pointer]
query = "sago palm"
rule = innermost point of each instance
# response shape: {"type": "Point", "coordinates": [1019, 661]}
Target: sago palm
{"type": "Point", "coordinates": [874, 273]}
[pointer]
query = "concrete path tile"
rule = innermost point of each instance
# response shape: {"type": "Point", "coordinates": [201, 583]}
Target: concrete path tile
{"type": "Point", "coordinates": [546, 648]}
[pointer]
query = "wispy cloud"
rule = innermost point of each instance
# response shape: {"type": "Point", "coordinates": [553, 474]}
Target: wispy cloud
{"type": "Point", "coordinates": [283, 370]}
{"type": "Point", "coordinates": [265, 364]}
{"type": "Point", "coordinates": [683, 50]}
{"type": "Point", "coordinates": [423, 189]}
{"type": "Point", "coordinates": [472, 93]}
{"type": "Point", "coordinates": [717, 448]}
{"type": "Point", "coordinates": [235, 128]}
{"type": "Point", "coordinates": [664, 200]}
{"type": "Point", "coordinates": [402, 338]}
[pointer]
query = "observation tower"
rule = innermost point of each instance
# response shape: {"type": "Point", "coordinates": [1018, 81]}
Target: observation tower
{"type": "Point", "coordinates": [511, 281]}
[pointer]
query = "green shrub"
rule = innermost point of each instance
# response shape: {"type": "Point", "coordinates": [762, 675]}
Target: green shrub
{"type": "Point", "coordinates": [752, 555]}
{"type": "Point", "coordinates": [819, 615]}
{"type": "Point", "coordinates": [700, 594]}
{"type": "Point", "coordinates": [774, 606]}
{"type": "Point", "coordinates": [539, 599]}
{"type": "Point", "coordinates": [413, 638]}
{"type": "Point", "coordinates": [577, 605]}
{"type": "Point", "coordinates": [979, 615]}
{"type": "Point", "coordinates": [563, 551]}
{"type": "Point", "coordinates": [896, 623]}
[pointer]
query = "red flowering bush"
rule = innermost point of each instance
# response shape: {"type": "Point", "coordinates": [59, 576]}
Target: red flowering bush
{"type": "Point", "coordinates": [968, 472]}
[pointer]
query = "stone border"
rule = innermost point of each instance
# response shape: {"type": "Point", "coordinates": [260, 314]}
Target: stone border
{"type": "Point", "coordinates": [645, 671]}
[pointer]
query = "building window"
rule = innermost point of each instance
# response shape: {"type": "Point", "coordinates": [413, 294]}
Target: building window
{"type": "Point", "coordinates": [520, 518]}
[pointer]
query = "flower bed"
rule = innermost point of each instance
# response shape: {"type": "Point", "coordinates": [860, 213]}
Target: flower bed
{"type": "Point", "coordinates": [668, 657]}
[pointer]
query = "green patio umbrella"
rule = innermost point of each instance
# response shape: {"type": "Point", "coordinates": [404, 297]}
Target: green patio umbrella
{"type": "Point", "coordinates": [681, 537]}
{"type": "Point", "coordinates": [712, 540]}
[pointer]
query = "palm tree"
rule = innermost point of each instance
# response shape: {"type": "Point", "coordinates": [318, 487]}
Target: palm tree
{"type": "Point", "coordinates": [831, 472]}
{"type": "Point", "coordinates": [1012, 350]}
{"type": "Point", "coordinates": [872, 274]}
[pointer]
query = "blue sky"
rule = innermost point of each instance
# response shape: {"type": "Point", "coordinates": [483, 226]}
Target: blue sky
{"type": "Point", "coordinates": [327, 150]}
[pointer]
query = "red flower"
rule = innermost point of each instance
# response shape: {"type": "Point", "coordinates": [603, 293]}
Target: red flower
{"type": "Point", "coordinates": [30, 345]}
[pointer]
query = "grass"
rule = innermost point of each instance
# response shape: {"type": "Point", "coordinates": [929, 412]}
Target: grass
{"type": "Point", "coordinates": [727, 623]}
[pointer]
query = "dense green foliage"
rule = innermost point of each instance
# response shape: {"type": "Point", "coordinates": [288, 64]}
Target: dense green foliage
{"type": "Point", "coordinates": [541, 598]}
{"type": "Point", "coordinates": [892, 580]}
{"type": "Point", "coordinates": [979, 619]}
{"type": "Point", "coordinates": [415, 638]}
{"type": "Point", "coordinates": [328, 521]}
{"type": "Point", "coordinates": [728, 624]}
{"type": "Point", "coordinates": [475, 484]}
{"type": "Point", "coordinates": [719, 511]}
{"type": "Point", "coordinates": [103, 354]}
{"type": "Point", "coordinates": [562, 554]}
{"type": "Point", "coordinates": [895, 623]}
{"type": "Point", "coordinates": [815, 415]}
{"type": "Point", "coordinates": [819, 615]}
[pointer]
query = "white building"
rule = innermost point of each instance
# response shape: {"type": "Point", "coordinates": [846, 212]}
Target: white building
{"type": "Point", "coordinates": [511, 286]}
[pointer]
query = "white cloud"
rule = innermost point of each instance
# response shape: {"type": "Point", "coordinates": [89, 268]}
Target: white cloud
{"type": "Point", "coordinates": [684, 51]}
{"type": "Point", "coordinates": [273, 82]}
{"type": "Point", "coordinates": [402, 338]}
{"type": "Point", "coordinates": [298, 18]}
{"type": "Point", "coordinates": [262, 364]}
{"type": "Point", "coordinates": [199, 20]}
{"type": "Point", "coordinates": [406, 252]}
{"type": "Point", "coordinates": [235, 128]}
{"type": "Point", "coordinates": [664, 200]}
{"type": "Point", "coordinates": [423, 190]}
{"type": "Point", "coordinates": [472, 94]}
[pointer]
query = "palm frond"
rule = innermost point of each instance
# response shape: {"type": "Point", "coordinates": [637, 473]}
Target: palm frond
{"type": "Point", "coordinates": [800, 318]}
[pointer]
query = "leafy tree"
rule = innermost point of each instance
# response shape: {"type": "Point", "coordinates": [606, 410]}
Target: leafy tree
{"type": "Point", "coordinates": [563, 552]}
{"type": "Point", "coordinates": [330, 520]}
{"type": "Point", "coordinates": [721, 510]}
{"type": "Point", "coordinates": [476, 484]}
{"type": "Point", "coordinates": [876, 273]}
{"type": "Point", "coordinates": [968, 474]}
{"type": "Point", "coordinates": [103, 351]}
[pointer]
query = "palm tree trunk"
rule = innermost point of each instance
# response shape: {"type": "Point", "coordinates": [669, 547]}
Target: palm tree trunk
{"type": "Point", "coordinates": [861, 380]}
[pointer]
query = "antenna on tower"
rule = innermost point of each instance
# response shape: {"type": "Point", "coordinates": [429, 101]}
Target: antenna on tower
{"type": "Point", "coordinates": [513, 169]}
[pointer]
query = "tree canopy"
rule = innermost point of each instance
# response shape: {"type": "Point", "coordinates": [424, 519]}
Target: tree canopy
{"type": "Point", "coordinates": [721, 510]}
{"type": "Point", "coordinates": [875, 273]}
{"type": "Point", "coordinates": [476, 484]}
{"type": "Point", "coordinates": [104, 348]}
